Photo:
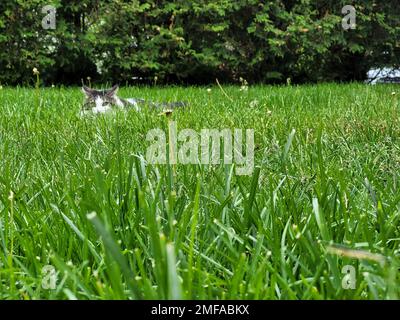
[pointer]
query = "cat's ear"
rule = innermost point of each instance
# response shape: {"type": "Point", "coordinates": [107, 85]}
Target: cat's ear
{"type": "Point", "coordinates": [113, 91]}
{"type": "Point", "coordinates": [87, 91]}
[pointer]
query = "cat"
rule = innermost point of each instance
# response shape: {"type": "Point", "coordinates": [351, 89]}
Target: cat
{"type": "Point", "coordinates": [102, 101]}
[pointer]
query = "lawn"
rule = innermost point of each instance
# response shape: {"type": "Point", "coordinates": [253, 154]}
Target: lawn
{"type": "Point", "coordinates": [84, 216]}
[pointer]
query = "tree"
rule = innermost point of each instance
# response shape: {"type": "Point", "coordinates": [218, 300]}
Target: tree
{"type": "Point", "coordinates": [196, 41]}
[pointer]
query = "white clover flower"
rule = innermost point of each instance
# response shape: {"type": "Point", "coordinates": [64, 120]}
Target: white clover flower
{"type": "Point", "coordinates": [253, 103]}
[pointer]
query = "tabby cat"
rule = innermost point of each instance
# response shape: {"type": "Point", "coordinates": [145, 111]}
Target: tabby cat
{"type": "Point", "coordinates": [101, 101]}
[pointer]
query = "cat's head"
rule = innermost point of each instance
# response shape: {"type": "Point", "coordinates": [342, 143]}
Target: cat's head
{"type": "Point", "coordinates": [99, 101]}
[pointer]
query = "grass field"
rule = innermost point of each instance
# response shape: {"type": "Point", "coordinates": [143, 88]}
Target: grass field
{"type": "Point", "coordinates": [76, 194]}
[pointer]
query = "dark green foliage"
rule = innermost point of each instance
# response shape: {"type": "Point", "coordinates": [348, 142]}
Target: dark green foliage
{"type": "Point", "coordinates": [196, 41]}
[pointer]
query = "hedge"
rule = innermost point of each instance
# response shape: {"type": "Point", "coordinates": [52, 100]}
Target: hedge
{"type": "Point", "coordinates": [196, 41]}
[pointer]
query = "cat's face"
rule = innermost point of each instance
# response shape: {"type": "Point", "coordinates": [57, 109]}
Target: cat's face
{"type": "Point", "coordinates": [99, 101]}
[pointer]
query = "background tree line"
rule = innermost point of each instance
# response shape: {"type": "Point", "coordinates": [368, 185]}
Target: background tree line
{"type": "Point", "coordinates": [196, 41]}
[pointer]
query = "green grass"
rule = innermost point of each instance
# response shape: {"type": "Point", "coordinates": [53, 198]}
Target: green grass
{"type": "Point", "coordinates": [77, 194]}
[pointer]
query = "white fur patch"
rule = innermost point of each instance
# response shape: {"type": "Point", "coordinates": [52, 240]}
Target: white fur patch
{"type": "Point", "coordinates": [101, 109]}
{"type": "Point", "coordinates": [133, 103]}
{"type": "Point", "coordinates": [100, 106]}
{"type": "Point", "coordinates": [118, 102]}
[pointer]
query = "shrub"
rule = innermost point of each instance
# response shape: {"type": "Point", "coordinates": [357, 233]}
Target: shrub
{"type": "Point", "coordinates": [196, 41]}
